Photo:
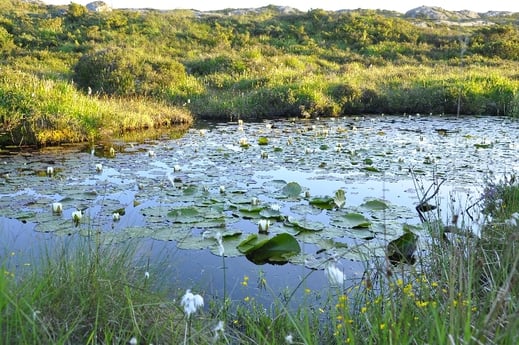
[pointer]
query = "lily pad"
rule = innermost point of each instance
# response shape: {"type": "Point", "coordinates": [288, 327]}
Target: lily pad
{"type": "Point", "coordinates": [352, 220]}
{"type": "Point", "coordinates": [323, 202]}
{"type": "Point", "coordinates": [401, 250]}
{"type": "Point", "coordinates": [292, 190]}
{"type": "Point", "coordinates": [304, 224]}
{"type": "Point", "coordinates": [275, 250]}
{"type": "Point", "coordinates": [375, 205]}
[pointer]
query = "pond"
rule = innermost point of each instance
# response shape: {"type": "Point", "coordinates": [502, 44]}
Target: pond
{"type": "Point", "coordinates": [339, 189]}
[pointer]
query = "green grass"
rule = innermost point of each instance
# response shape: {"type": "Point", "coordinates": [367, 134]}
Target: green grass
{"type": "Point", "coordinates": [462, 291]}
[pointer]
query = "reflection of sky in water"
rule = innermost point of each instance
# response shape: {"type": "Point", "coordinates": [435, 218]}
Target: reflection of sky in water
{"type": "Point", "coordinates": [214, 159]}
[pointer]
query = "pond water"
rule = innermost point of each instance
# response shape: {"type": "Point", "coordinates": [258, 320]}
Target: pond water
{"type": "Point", "coordinates": [176, 197]}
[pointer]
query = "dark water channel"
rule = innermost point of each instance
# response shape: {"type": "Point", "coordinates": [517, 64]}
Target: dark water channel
{"type": "Point", "coordinates": [174, 195]}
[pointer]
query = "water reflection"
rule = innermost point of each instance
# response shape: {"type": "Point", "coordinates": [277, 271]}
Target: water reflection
{"type": "Point", "coordinates": [323, 156]}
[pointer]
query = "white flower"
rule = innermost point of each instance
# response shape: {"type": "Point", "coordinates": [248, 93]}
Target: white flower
{"type": "Point", "coordinates": [146, 275]}
{"type": "Point", "coordinates": [334, 275]}
{"type": "Point", "coordinates": [244, 142]}
{"type": "Point", "coordinates": [222, 189]}
{"type": "Point", "coordinates": [116, 216]}
{"type": "Point", "coordinates": [191, 302]}
{"type": "Point", "coordinates": [133, 341]}
{"type": "Point", "coordinates": [202, 132]}
{"type": "Point", "coordinates": [240, 122]}
{"type": "Point", "coordinates": [76, 216]}
{"type": "Point", "coordinates": [254, 201]}
{"type": "Point", "coordinates": [275, 207]}
{"type": "Point", "coordinates": [99, 167]}
{"type": "Point", "coordinates": [176, 167]}
{"type": "Point", "coordinates": [219, 328]}
{"type": "Point", "coordinates": [263, 226]}
{"type": "Point", "coordinates": [289, 339]}
{"type": "Point", "coordinates": [151, 153]}
{"type": "Point", "coordinates": [50, 171]}
{"type": "Point", "coordinates": [57, 207]}
{"type": "Point", "coordinates": [264, 155]}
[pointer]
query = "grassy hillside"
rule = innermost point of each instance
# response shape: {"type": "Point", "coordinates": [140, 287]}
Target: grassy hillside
{"type": "Point", "coordinates": [69, 74]}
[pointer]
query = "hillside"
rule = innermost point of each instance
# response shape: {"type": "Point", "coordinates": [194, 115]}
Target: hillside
{"type": "Point", "coordinates": [247, 63]}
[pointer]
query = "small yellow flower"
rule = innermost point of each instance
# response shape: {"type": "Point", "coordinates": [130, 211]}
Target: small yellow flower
{"type": "Point", "coordinates": [399, 282]}
{"type": "Point", "coordinates": [422, 304]}
{"type": "Point", "coordinates": [434, 284]}
{"type": "Point", "coordinates": [246, 299]}
{"type": "Point", "coordinates": [340, 317]}
{"type": "Point", "coordinates": [307, 291]}
{"type": "Point", "coordinates": [382, 326]}
{"type": "Point", "coordinates": [363, 309]}
{"type": "Point", "coordinates": [343, 298]}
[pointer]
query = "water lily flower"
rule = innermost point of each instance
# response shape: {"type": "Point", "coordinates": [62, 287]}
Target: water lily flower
{"type": "Point", "coordinates": [116, 216]}
{"type": "Point", "coordinates": [263, 226]}
{"type": "Point", "coordinates": [275, 207]}
{"type": "Point", "coordinates": [99, 167]}
{"type": "Point", "coordinates": [176, 167]}
{"type": "Point", "coordinates": [334, 275]}
{"type": "Point", "coordinates": [191, 302]}
{"type": "Point", "coordinates": [57, 207]}
{"type": "Point", "coordinates": [222, 189]}
{"type": "Point", "coordinates": [146, 275]}
{"type": "Point", "coordinates": [240, 122]}
{"type": "Point", "coordinates": [112, 152]}
{"type": "Point", "coordinates": [254, 201]}
{"type": "Point", "coordinates": [202, 132]}
{"type": "Point", "coordinates": [50, 171]}
{"type": "Point", "coordinates": [76, 217]}
{"type": "Point", "coordinates": [264, 154]}
{"type": "Point", "coordinates": [243, 142]}
{"type": "Point", "coordinates": [151, 153]}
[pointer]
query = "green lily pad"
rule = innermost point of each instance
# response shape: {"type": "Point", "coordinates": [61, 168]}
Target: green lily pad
{"type": "Point", "coordinates": [292, 190]}
{"type": "Point", "coordinates": [375, 205]}
{"type": "Point", "coordinates": [304, 224]}
{"type": "Point", "coordinates": [275, 250]}
{"type": "Point", "coordinates": [401, 250]}
{"type": "Point", "coordinates": [352, 220]}
{"type": "Point", "coordinates": [323, 202]}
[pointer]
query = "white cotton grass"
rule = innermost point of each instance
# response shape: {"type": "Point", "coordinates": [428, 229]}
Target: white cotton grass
{"type": "Point", "coordinates": [334, 275]}
{"type": "Point", "coordinates": [218, 330]}
{"type": "Point", "coordinates": [289, 339]}
{"type": "Point", "coordinates": [191, 302]}
{"type": "Point", "coordinates": [133, 341]}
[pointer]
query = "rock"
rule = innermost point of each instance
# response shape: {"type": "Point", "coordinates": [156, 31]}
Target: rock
{"type": "Point", "coordinates": [98, 6]}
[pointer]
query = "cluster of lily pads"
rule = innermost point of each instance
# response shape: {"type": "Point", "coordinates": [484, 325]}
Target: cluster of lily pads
{"type": "Point", "coordinates": [274, 192]}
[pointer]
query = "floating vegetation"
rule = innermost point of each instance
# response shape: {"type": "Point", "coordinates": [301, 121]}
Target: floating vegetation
{"type": "Point", "coordinates": [350, 202]}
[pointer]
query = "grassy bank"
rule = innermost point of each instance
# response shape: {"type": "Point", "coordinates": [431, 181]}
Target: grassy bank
{"type": "Point", "coordinates": [49, 112]}
{"type": "Point", "coordinates": [461, 291]}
